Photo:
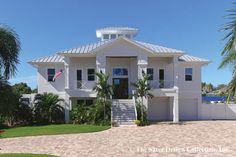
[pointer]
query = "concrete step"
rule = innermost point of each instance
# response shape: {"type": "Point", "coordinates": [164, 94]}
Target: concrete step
{"type": "Point", "coordinates": [123, 120]}
{"type": "Point", "coordinates": [126, 123]}
{"type": "Point", "coordinates": [123, 112]}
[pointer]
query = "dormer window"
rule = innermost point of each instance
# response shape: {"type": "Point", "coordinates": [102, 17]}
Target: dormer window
{"type": "Point", "coordinates": [128, 36]}
{"type": "Point", "coordinates": [113, 36]}
{"type": "Point", "coordinates": [106, 36]}
{"type": "Point", "coordinates": [111, 33]}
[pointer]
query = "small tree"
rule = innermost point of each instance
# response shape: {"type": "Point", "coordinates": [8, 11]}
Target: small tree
{"type": "Point", "coordinates": [21, 88]}
{"type": "Point", "coordinates": [103, 89]}
{"type": "Point", "coordinates": [47, 108]}
{"type": "Point", "coordinates": [142, 91]}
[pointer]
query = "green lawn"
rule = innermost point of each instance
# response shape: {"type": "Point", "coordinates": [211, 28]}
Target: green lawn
{"type": "Point", "coordinates": [51, 130]}
{"type": "Point", "coordinates": [25, 155]}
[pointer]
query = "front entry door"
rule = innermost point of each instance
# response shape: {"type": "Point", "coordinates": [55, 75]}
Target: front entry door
{"type": "Point", "coordinates": [120, 88]}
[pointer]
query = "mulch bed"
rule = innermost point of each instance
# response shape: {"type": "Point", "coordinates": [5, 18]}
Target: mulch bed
{"type": "Point", "coordinates": [2, 131]}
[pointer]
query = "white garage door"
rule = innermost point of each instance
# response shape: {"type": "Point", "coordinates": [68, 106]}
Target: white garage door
{"type": "Point", "coordinates": [188, 109]}
{"type": "Point", "coordinates": [158, 109]}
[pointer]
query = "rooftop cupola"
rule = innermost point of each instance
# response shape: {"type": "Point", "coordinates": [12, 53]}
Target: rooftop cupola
{"type": "Point", "coordinates": [109, 33]}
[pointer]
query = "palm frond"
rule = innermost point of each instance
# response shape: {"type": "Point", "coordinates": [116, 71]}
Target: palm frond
{"type": "Point", "coordinates": [9, 51]}
{"type": "Point", "coordinates": [228, 59]}
{"type": "Point", "coordinates": [232, 87]}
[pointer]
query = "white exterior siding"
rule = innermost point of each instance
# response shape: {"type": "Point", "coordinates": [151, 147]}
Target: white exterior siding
{"type": "Point", "coordinates": [158, 63]}
{"type": "Point", "coordinates": [122, 49]}
{"type": "Point", "coordinates": [51, 87]}
{"type": "Point", "coordinates": [188, 109]}
{"type": "Point", "coordinates": [195, 84]}
{"type": "Point", "coordinates": [159, 109]}
{"type": "Point", "coordinates": [81, 64]}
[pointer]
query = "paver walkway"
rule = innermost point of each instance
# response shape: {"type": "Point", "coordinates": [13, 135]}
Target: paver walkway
{"type": "Point", "coordinates": [197, 138]}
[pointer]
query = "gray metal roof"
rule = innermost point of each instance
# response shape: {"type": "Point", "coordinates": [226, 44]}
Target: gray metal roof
{"type": "Point", "coordinates": [154, 48]}
{"type": "Point", "coordinates": [188, 58]}
{"type": "Point", "coordinates": [86, 48]}
{"type": "Point", "coordinates": [157, 48]}
{"type": "Point", "coordinates": [90, 47]}
{"type": "Point", "coordinates": [118, 29]}
{"type": "Point", "coordinates": [49, 59]}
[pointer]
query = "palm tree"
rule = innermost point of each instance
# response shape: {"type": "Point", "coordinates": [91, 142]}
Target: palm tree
{"type": "Point", "coordinates": [103, 89]}
{"type": "Point", "coordinates": [47, 108]}
{"type": "Point", "coordinates": [142, 91]}
{"type": "Point", "coordinates": [229, 51]}
{"type": "Point", "coordinates": [9, 51]}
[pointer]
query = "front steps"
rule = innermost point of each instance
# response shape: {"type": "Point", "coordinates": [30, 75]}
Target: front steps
{"type": "Point", "coordinates": [123, 112]}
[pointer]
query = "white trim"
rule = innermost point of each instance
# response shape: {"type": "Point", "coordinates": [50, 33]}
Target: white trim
{"type": "Point", "coordinates": [49, 82]}
{"type": "Point", "coordinates": [76, 87]}
{"type": "Point", "coordinates": [185, 74]}
{"type": "Point", "coordinates": [153, 78]}
{"type": "Point", "coordinates": [128, 76]}
{"type": "Point", "coordinates": [122, 76]}
{"type": "Point", "coordinates": [94, 73]}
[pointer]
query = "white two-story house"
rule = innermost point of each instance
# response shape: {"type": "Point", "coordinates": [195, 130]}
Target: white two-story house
{"type": "Point", "coordinates": [175, 76]}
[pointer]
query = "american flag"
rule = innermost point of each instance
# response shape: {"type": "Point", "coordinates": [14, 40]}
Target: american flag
{"type": "Point", "coordinates": [57, 75]}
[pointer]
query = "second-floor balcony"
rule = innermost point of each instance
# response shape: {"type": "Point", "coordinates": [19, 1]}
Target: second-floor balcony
{"type": "Point", "coordinates": [84, 85]}
{"type": "Point", "coordinates": [154, 84]}
{"type": "Point", "coordinates": [157, 84]}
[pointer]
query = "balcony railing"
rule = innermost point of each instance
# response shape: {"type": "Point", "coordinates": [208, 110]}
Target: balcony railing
{"type": "Point", "coordinates": [156, 84]}
{"type": "Point", "coordinates": [85, 84]}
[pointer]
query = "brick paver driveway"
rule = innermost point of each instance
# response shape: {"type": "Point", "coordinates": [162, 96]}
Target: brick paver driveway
{"type": "Point", "coordinates": [198, 138]}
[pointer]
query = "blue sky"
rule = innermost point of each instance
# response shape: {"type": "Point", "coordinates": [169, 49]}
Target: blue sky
{"type": "Point", "coordinates": [46, 27]}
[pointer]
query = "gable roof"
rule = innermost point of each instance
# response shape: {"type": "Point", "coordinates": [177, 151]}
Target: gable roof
{"type": "Point", "coordinates": [59, 59]}
{"type": "Point", "coordinates": [89, 48]}
{"type": "Point", "coordinates": [188, 58]}
{"type": "Point", "coordinates": [49, 59]}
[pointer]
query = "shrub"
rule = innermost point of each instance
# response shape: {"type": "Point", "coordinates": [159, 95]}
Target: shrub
{"type": "Point", "coordinates": [137, 122]}
{"type": "Point", "coordinates": [114, 124]}
{"type": "Point", "coordinates": [138, 109]}
{"type": "Point", "coordinates": [81, 113]}
{"type": "Point", "coordinates": [101, 108]}
{"type": "Point", "coordinates": [23, 114]}
{"type": "Point", "coordinates": [47, 109]}
{"type": "Point", "coordinates": [139, 114]}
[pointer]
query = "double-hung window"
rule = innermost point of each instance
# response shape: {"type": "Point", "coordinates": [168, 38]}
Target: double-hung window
{"type": "Point", "coordinates": [113, 36]}
{"type": "Point", "coordinates": [161, 78]}
{"type": "Point", "coordinates": [105, 36]}
{"type": "Point", "coordinates": [91, 74]}
{"type": "Point", "coordinates": [188, 74]}
{"type": "Point", "coordinates": [79, 78]}
{"type": "Point", "coordinates": [87, 102]}
{"type": "Point", "coordinates": [51, 73]}
{"type": "Point", "coordinates": [150, 73]}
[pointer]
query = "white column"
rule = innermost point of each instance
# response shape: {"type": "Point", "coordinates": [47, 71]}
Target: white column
{"type": "Point", "coordinates": [176, 109]}
{"type": "Point", "coordinates": [101, 64]}
{"type": "Point", "coordinates": [175, 71]}
{"type": "Point", "coordinates": [67, 72]}
{"type": "Point", "coordinates": [67, 103]}
{"type": "Point", "coordinates": [142, 66]}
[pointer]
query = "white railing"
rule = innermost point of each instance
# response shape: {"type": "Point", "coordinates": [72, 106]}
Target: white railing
{"type": "Point", "coordinates": [156, 84]}
{"type": "Point", "coordinates": [84, 84]}
{"type": "Point", "coordinates": [133, 98]}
